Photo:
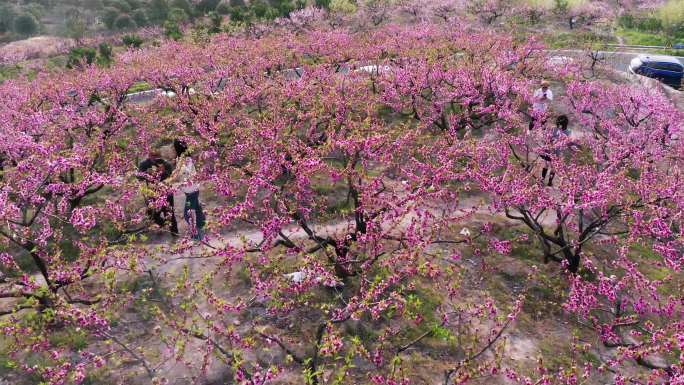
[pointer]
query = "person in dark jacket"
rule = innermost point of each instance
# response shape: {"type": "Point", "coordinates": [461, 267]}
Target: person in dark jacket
{"type": "Point", "coordinates": [560, 133]}
{"type": "Point", "coordinates": [2, 165]}
{"type": "Point", "coordinates": [154, 169]}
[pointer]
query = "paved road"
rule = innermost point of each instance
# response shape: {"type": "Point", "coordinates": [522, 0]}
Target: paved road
{"type": "Point", "coordinates": [620, 60]}
{"type": "Point", "coordinates": [617, 60]}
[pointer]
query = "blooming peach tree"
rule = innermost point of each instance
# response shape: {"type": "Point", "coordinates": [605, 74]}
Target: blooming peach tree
{"type": "Point", "coordinates": [344, 177]}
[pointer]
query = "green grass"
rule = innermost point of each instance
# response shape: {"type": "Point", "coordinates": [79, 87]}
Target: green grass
{"type": "Point", "coordinates": [56, 63]}
{"type": "Point", "coordinates": [6, 364]}
{"type": "Point", "coordinates": [576, 39]}
{"type": "Point", "coordinates": [72, 339]}
{"type": "Point", "coordinates": [365, 332]}
{"type": "Point", "coordinates": [9, 365]}
{"type": "Point", "coordinates": [592, 358]}
{"type": "Point", "coordinates": [15, 71]}
{"type": "Point", "coordinates": [139, 87]}
{"type": "Point", "coordinates": [671, 52]}
{"type": "Point", "coordinates": [649, 265]}
{"type": "Point", "coordinates": [645, 252]}
{"type": "Point", "coordinates": [554, 357]}
{"type": "Point", "coordinates": [634, 37]}
{"type": "Point", "coordinates": [424, 302]}
{"type": "Point", "coordinates": [9, 72]}
{"type": "Point", "coordinates": [70, 252]}
{"type": "Point", "coordinates": [529, 250]}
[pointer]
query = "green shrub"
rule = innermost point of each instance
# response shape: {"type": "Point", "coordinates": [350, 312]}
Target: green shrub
{"type": "Point", "coordinates": [626, 20]}
{"type": "Point", "coordinates": [263, 10]}
{"type": "Point", "coordinates": [140, 17]}
{"type": "Point", "coordinates": [135, 4]}
{"type": "Point", "coordinates": [109, 16]}
{"type": "Point", "coordinates": [7, 16]}
{"type": "Point", "coordinates": [172, 30]}
{"type": "Point", "coordinates": [37, 10]}
{"type": "Point", "coordinates": [215, 19]}
{"type": "Point", "coordinates": [74, 26]}
{"type": "Point", "coordinates": [240, 14]}
{"type": "Point", "coordinates": [561, 6]}
{"type": "Point", "coordinates": [649, 24]}
{"type": "Point", "coordinates": [105, 50]}
{"type": "Point", "coordinates": [121, 5]}
{"type": "Point", "coordinates": [671, 16]}
{"type": "Point", "coordinates": [106, 54]}
{"type": "Point", "coordinates": [81, 55]}
{"type": "Point", "coordinates": [284, 7]}
{"type": "Point", "coordinates": [134, 41]}
{"type": "Point", "coordinates": [94, 5]}
{"type": "Point", "coordinates": [184, 5]}
{"type": "Point", "coordinates": [206, 6]}
{"type": "Point", "coordinates": [178, 15]}
{"type": "Point", "coordinates": [124, 22]}
{"type": "Point", "coordinates": [26, 25]}
{"type": "Point", "coordinates": [158, 11]}
{"type": "Point", "coordinates": [223, 8]}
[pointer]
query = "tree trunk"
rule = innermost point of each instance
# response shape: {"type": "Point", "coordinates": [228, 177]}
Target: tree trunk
{"type": "Point", "coordinates": [546, 249]}
{"type": "Point", "coordinates": [573, 261]}
{"type": "Point", "coordinates": [314, 360]}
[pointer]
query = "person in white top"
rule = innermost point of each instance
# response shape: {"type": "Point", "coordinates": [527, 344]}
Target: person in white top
{"type": "Point", "coordinates": [183, 177]}
{"type": "Point", "coordinates": [542, 97]}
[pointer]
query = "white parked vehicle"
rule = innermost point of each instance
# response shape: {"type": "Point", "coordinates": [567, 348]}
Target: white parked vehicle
{"type": "Point", "coordinates": [374, 69]}
{"type": "Point", "coordinates": [558, 61]}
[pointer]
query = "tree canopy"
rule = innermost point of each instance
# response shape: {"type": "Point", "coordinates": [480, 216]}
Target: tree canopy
{"type": "Point", "coordinates": [362, 186]}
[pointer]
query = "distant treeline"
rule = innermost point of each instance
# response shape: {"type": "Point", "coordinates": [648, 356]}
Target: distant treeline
{"type": "Point", "coordinates": [77, 18]}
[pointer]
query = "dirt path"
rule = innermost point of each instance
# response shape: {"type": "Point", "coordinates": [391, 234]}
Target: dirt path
{"type": "Point", "coordinates": [251, 238]}
{"type": "Point", "coordinates": [200, 260]}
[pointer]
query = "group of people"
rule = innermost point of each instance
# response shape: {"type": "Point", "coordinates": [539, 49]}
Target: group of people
{"type": "Point", "coordinates": [155, 170]}
{"type": "Point", "coordinates": [542, 98]}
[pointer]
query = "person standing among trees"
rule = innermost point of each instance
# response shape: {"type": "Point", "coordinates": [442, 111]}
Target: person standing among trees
{"type": "Point", "coordinates": [562, 127]}
{"type": "Point", "coordinates": [543, 96]}
{"type": "Point", "coordinates": [155, 170]}
{"type": "Point", "coordinates": [560, 133]}
{"type": "Point", "coordinates": [182, 177]}
{"type": "Point", "coordinates": [2, 165]}
{"type": "Point", "coordinates": [546, 156]}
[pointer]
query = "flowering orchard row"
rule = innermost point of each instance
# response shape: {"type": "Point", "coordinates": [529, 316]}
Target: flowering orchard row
{"type": "Point", "coordinates": [386, 160]}
{"type": "Point", "coordinates": [358, 15]}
